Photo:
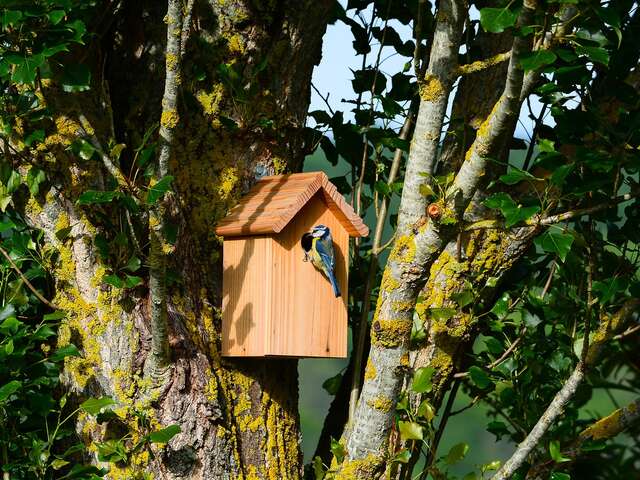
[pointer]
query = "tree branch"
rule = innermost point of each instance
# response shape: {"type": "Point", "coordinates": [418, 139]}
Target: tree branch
{"type": "Point", "coordinates": [608, 327]}
{"type": "Point", "coordinates": [26, 280]}
{"type": "Point", "coordinates": [434, 90]}
{"type": "Point", "coordinates": [158, 250]}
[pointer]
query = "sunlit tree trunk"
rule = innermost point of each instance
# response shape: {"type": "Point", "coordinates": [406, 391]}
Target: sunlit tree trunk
{"type": "Point", "coordinates": [241, 106]}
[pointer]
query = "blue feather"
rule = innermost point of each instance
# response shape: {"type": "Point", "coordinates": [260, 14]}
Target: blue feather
{"type": "Point", "coordinates": [323, 256]}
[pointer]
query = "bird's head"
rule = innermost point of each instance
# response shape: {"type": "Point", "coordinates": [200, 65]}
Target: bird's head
{"type": "Point", "coordinates": [320, 231]}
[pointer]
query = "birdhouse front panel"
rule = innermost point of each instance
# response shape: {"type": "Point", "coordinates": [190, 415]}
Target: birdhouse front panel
{"type": "Point", "coordinates": [307, 319]}
{"type": "Point", "coordinates": [285, 261]}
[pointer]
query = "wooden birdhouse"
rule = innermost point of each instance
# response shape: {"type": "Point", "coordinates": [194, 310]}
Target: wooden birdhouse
{"type": "Point", "coordinates": [274, 303]}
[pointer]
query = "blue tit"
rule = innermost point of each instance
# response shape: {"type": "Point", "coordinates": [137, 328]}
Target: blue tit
{"type": "Point", "coordinates": [318, 247]}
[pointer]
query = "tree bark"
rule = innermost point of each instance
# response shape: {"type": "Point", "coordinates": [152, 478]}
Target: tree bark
{"type": "Point", "coordinates": [241, 108]}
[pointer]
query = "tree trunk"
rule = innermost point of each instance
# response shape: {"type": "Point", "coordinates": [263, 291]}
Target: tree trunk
{"type": "Point", "coordinates": [244, 94]}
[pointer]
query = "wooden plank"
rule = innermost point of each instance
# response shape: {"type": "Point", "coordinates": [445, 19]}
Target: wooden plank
{"type": "Point", "coordinates": [307, 320]}
{"type": "Point", "coordinates": [246, 279]}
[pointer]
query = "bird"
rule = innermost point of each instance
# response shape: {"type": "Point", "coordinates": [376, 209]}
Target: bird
{"type": "Point", "coordinates": [318, 247]}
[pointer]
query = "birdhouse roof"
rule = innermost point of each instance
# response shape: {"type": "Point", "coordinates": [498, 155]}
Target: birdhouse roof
{"type": "Point", "coordinates": [273, 201]}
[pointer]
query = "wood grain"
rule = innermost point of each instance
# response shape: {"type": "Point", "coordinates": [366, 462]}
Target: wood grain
{"type": "Point", "coordinates": [274, 303]}
{"type": "Point", "coordinates": [274, 201]}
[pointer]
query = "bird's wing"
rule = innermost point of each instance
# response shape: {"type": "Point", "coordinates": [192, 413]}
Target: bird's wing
{"type": "Point", "coordinates": [326, 253]}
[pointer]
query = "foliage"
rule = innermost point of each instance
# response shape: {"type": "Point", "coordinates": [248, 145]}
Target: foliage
{"type": "Point", "coordinates": [529, 327]}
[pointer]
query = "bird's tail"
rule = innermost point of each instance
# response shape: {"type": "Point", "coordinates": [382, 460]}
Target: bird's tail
{"type": "Point", "coordinates": [334, 284]}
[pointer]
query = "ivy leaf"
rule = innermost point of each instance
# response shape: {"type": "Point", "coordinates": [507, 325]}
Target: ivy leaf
{"type": "Point", "coordinates": [512, 212]}
{"type": "Point", "coordinates": [158, 189]}
{"type": "Point", "coordinates": [556, 454]}
{"type": "Point", "coordinates": [559, 476]}
{"type": "Point", "coordinates": [456, 453]}
{"type": "Point", "coordinates": [132, 281]}
{"type": "Point", "coordinates": [55, 16]}
{"type": "Point", "coordinates": [426, 411]}
{"type": "Point", "coordinates": [480, 377]}
{"type": "Point", "coordinates": [422, 380]}
{"type": "Point", "coordinates": [94, 406]}
{"type": "Point", "coordinates": [595, 54]}
{"type": "Point", "coordinates": [67, 351]}
{"type": "Point", "coordinates": [426, 190]}
{"type": "Point", "coordinates": [165, 434]}
{"type": "Point", "coordinates": [554, 240]}
{"type": "Point", "coordinates": [442, 314]}
{"type": "Point", "coordinates": [515, 175]}
{"type": "Point", "coordinates": [537, 59]}
{"type": "Point", "coordinates": [608, 289]}
{"type": "Point", "coordinates": [463, 298]}
{"type": "Point", "coordinates": [9, 389]}
{"type": "Point", "coordinates": [34, 178]}
{"type": "Point", "coordinates": [410, 430]}
{"type": "Point", "coordinates": [338, 450]}
{"type": "Point", "coordinates": [496, 20]}
{"type": "Point", "coordinates": [113, 280]}
{"type": "Point", "coordinates": [25, 71]}
{"type": "Point", "coordinates": [403, 456]}
{"type": "Point", "coordinates": [94, 196]}
{"type": "Point", "coordinates": [332, 384]}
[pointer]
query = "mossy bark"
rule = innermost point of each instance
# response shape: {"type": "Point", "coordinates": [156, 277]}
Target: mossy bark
{"type": "Point", "coordinates": [241, 108]}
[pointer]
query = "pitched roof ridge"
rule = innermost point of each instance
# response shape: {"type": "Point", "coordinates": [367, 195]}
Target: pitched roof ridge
{"type": "Point", "coordinates": [309, 192]}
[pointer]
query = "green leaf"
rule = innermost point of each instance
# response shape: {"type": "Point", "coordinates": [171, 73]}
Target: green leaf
{"type": "Point", "coordinates": [76, 78]}
{"type": "Point", "coordinates": [34, 178]}
{"type": "Point", "coordinates": [132, 281]}
{"type": "Point", "coordinates": [11, 17]}
{"type": "Point", "coordinates": [456, 453]}
{"type": "Point", "coordinates": [480, 377]}
{"type": "Point", "coordinates": [54, 316]}
{"type": "Point", "coordinates": [94, 196]}
{"type": "Point", "coordinates": [595, 54]}
{"type": "Point", "coordinates": [426, 411]}
{"type": "Point", "coordinates": [67, 351]}
{"type": "Point", "coordinates": [556, 454]}
{"type": "Point", "coordinates": [426, 190]}
{"type": "Point", "coordinates": [422, 380]}
{"type": "Point", "coordinates": [25, 71]}
{"type": "Point", "coordinates": [133, 264]}
{"type": "Point", "coordinates": [318, 468]}
{"type": "Point", "coordinates": [559, 476]}
{"type": "Point", "coordinates": [442, 314]}
{"type": "Point", "coordinates": [35, 136]}
{"type": "Point", "coordinates": [55, 16]}
{"type": "Point", "coordinates": [463, 298]}
{"type": "Point", "coordinates": [516, 175]}
{"type": "Point", "coordinates": [608, 289]}
{"type": "Point", "coordinates": [332, 384]}
{"type": "Point", "coordinates": [403, 456]}
{"type": "Point", "coordinates": [9, 389]}
{"type": "Point", "coordinates": [112, 451]}
{"type": "Point", "coordinates": [83, 149]}
{"type": "Point", "coordinates": [537, 59]}
{"type": "Point", "coordinates": [496, 20]}
{"type": "Point", "coordinates": [113, 280]}
{"type": "Point", "coordinates": [338, 450]}
{"type": "Point", "coordinates": [157, 190]}
{"type": "Point", "coordinates": [512, 212]}
{"type": "Point", "coordinates": [410, 430]}
{"type": "Point", "coordinates": [94, 406]}
{"type": "Point", "coordinates": [165, 434]}
{"type": "Point", "coordinates": [554, 240]}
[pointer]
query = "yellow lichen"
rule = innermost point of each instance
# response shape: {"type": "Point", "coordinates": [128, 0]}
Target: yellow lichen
{"type": "Point", "coordinates": [362, 469]}
{"type": "Point", "coordinates": [606, 427]}
{"type": "Point", "coordinates": [228, 182]}
{"type": "Point", "coordinates": [370, 370]}
{"type": "Point", "coordinates": [169, 119]}
{"type": "Point", "coordinates": [171, 60]}
{"type": "Point", "coordinates": [404, 249]}
{"type": "Point", "coordinates": [430, 89]}
{"type": "Point", "coordinates": [381, 403]}
{"type": "Point", "coordinates": [479, 65]}
{"type": "Point", "coordinates": [390, 332]}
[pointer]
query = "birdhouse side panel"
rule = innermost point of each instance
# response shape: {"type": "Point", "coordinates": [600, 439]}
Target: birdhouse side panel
{"type": "Point", "coordinates": [246, 286]}
{"type": "Point", "coordinates": [307, 319]}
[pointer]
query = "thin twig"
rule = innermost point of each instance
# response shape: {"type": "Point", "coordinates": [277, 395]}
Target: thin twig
{"type": "Point", "coordinates": [26, 281]}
